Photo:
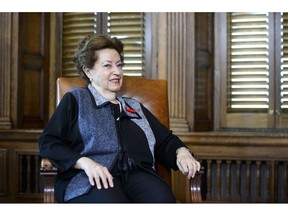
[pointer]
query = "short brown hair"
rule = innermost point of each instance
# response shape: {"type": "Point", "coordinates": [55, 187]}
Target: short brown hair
{"type": "Point", "coordinates": [85, 54]}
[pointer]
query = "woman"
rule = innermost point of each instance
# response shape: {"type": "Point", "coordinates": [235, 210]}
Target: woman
{"type": "Point", "coordinates": [105, 146]}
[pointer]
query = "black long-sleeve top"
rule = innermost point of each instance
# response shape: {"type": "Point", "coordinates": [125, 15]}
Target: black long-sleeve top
{"type": "Point", "coordinates": [67, 136]}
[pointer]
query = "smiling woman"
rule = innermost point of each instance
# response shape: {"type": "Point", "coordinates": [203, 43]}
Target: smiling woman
{"type": "Point", "coordinates": [106, 74]}
{"type": "Point", "coordinates": [105, 145]}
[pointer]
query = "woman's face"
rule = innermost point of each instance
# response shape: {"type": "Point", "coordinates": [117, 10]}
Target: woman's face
{"type": "Point", "coordinates": [107, 73]}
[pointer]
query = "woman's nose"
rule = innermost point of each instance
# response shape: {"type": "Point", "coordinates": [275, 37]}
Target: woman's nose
{"type": "Point", "coordinates": [117, 70]}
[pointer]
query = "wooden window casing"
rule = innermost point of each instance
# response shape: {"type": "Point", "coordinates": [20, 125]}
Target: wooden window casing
{"type": "Point", "coordinates": [253, 70]}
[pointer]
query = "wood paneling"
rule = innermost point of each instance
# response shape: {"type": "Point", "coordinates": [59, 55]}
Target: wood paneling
{"type": "Point", "coordinates": [3, 172]}
{"type": "Point", "coordinates": [33, 74]}
{"type": "Point", "coordinates": [204, 71]}
{"type": "Point", "coordinates": [19, 163]}
{"type": "Point", "coordinates": [239, 166]}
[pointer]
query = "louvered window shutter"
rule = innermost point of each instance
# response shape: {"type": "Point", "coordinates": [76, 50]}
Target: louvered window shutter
{"type": "Point", "coordinates": [284, 63]}
{"type": "Point", "coordinates": [248, 63]}
{"type": "Point", "coordinates": [75, 27]}
{"type": "Point", "coordinates": [129, 27]}
{"type": "Point", "coordinates": [257, 71]}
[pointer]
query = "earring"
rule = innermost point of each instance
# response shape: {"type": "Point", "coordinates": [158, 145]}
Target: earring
{"type": "Point", "coordinates": [90, 79]}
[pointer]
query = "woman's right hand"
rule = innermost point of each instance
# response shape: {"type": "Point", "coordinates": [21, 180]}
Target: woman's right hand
{"type": "Point", "coordinates": [96, 172]}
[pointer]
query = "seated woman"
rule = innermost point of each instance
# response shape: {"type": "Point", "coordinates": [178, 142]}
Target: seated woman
{"type": "Point", "coordinates": [105, 145]}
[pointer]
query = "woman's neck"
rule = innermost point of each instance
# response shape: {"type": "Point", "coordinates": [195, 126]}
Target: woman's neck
{"type": "Point", "coordinates": [108, 95]}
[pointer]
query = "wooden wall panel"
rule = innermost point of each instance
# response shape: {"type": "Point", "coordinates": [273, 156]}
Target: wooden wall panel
{"type": "Point", "coordinates": [239, 167]}
{"type": "Point", "coordinates": [20, 180]}
{"type": "Point", "coordinates": [185, 59]}
{"type": "Point", "coordinates": [33, 74]}
{"type": "Point", "coordinates": [204, 71]}
{"type": "Point", "coordinates": [3, 171]}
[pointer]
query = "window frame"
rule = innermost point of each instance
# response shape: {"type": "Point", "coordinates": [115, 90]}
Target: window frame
{"type": "Point", "coordinates": [273, 118]}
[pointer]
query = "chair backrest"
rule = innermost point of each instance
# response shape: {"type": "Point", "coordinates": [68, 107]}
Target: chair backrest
{"type": "Point", "coordinates": [151, 93]}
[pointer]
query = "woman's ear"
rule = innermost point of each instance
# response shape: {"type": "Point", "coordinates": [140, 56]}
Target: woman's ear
{"type": "Point", "coordinates": [86, 70]}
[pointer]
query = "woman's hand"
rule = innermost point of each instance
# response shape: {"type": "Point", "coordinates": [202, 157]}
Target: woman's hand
{"type": "Point", "coordinates": [96, 172]}
{"type": "Point", "coordinates": [186, 163]}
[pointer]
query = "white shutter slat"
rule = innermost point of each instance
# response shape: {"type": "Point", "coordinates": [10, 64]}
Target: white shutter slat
{"type": "Point", "coordinates": [75, 27]}
{"type": "Point", "coordinates": [284, 63]}
{"type": "Point", "coordinates": [129, 27]}
{"type": "Point", "coordinates": [248, 62]}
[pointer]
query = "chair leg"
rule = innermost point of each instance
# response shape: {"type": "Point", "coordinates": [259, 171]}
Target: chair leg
{"type": "Point", "coordinates": [48, 173]}
{"type": "Point", "coordinates": [49, 189]}
{"type": "Point", "coordinates": [195, 187]}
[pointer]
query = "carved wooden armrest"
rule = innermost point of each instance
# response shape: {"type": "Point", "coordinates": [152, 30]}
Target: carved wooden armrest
{"type": "Point", "coordinates": [195, 187]}
{"type": "Point", "coordinates": [48, 172]}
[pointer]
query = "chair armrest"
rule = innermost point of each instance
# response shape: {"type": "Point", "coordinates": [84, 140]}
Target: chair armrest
{"type": "Point", "coordinates": [47, 167]}
{"type": "Point", "coordinates": [195, 187]}
{"type": "Point", "coordinates": [48, 172]}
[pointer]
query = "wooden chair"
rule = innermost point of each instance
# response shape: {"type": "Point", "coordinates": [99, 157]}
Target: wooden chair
{"type": "Point", "coordinates": [153, 95]}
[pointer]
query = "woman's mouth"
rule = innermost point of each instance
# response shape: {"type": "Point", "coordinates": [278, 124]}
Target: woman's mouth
{"type": "Point", "coordinates": [115, 81]}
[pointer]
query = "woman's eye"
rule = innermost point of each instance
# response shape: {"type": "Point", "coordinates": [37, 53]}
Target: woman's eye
{"type": "Point", "coordinates": [107, 65]}
{"type": "Point", "coordinates": [121, 65]}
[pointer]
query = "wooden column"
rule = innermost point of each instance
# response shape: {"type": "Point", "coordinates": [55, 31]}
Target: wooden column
{"type": "Point", "coordinates": [5, 56]}
{"type": "Point", "coordinates": [175, 62]}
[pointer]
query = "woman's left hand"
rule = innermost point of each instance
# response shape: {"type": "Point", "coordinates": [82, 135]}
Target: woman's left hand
{"type": "Point", "coordinates": [186, 163]}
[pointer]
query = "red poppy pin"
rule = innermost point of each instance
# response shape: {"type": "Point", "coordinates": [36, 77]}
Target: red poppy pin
{"type": "Point", "coordinates": [130, 110]}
